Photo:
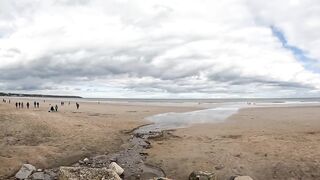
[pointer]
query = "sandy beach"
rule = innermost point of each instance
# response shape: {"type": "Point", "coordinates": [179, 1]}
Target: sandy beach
{"type": "Point", "coordinates": [168, 90]}
{"type": "Point", "coordinates": [264, 143]}
{"type": "Point", "coordinates": [50, 139]}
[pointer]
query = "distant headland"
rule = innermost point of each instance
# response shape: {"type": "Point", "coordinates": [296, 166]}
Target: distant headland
{"type": "Point", "coordinates": [37, 95]}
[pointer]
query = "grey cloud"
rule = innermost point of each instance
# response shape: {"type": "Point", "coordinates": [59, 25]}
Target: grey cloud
{"type": "Point", "coordinates": [56, 69]}
{"type": "Point", "coordinates": [233, 77]}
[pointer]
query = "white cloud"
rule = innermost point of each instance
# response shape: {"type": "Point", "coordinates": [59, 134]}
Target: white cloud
{"type": "Point", "coordinates": [298, 19]}
{"type": "Point", "coordinates": [158, 48]}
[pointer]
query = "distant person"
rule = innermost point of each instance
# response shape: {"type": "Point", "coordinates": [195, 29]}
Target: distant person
{"type": "Point", "coordinates": [9, 101]}
{"type": "Point", "coordinates": [56, 108]}
{"type": "Point", "coordinates": [19, 105]}
{"type": "Point", "coordinates": [34, 104]}
{"type": "Point", "coordinates": [22, 105]}
{"type": "Point", "coordinates": [28, 105]}
{"type": "Point", "coordinates": [38, 104]}
{"type": "Point", "coordinates": [78, 105]}
{"type": "Point", "coordinates": [16, 105]}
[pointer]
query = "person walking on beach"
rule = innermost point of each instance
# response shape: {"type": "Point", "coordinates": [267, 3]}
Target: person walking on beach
{"type": "Point", "coordinates": [34, 104]}
{"type": "Point", "coordinates": [16, 105]}
{"type": "Point", "coordinates": [56, 108]}
{"type": "Point", "coordinates": [77, 104]}
{"type": "Point", "coordinates": [22, 105]}
{"type": "Point", "coordinates": [19, 105]}
{"type": "Point", "coordinates": [28, 105]}
{"type": "Point", "coordinates": [38, 104]}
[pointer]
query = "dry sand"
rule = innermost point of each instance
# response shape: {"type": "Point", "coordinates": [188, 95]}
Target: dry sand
{"type": "Point", "coordinates": [48, 139]}
{"type": "Point", "coordinates": [264, 143]}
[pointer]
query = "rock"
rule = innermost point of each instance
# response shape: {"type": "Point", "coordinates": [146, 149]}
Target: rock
{"type": "Point", "coordinates": [38, 176]}
{"type": "Point", "coordinates": [67, 173]}
{"type": "Point", "coordinates": [50, 174]}
{"type": "Point", "coordinates": [115, 167]}
{"type": "Point", "coordinates": [25, 171]}
{"type": "Point", "coordinates": [202, 175]}
{"type": "Point", "coordinates": [242, 178]}
{"type": "Point", "coordinates": [47, 177]}
{"type": "Point", "coordinates": [86, 160]}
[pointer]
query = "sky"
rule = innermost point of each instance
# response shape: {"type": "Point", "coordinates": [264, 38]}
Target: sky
{"type": "Point", "coordinates": [161, 48]}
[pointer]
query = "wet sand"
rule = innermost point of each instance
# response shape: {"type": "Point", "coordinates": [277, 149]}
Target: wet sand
{"type": "Point", "coordinates": [49, 139]}
{"type": "Point", "coordinates": [264, 143]}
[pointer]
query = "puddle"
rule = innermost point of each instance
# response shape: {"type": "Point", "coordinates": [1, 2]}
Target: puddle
{"type": "Point", "coordinates": [168, 121]}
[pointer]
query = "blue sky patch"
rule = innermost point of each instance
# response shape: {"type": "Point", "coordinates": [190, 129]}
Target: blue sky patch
{"type": "Point", "coordinates": [301, 55]}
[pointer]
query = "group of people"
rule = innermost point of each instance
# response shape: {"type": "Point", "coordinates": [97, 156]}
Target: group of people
{"type": "Point", "coordinates": [20, 105]}
{"type": "Point", "coordinates": [55, 108]}
{"type": "Point", "coordinates": [5, 101]}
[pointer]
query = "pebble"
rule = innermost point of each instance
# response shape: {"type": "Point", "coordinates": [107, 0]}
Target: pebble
{"type": "Point", "coordinates": [115, 167]}
{"type": "Point", "coordinates": [86, 160]}
{"type": "Point", "coordinates": [25, 171]}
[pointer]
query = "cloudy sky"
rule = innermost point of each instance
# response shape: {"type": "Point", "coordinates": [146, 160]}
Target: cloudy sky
{"type": "Point", "coordinates": [161, 48]}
